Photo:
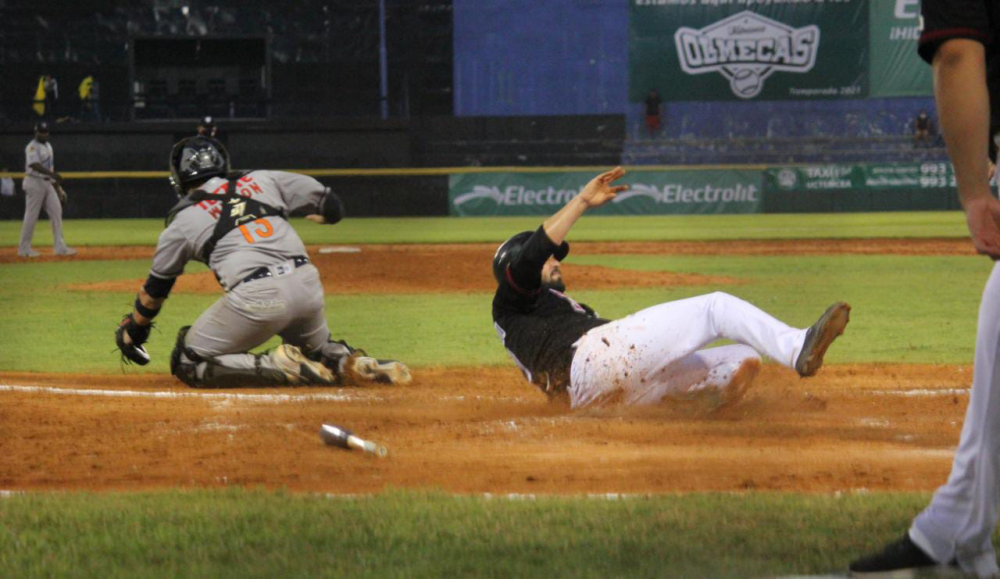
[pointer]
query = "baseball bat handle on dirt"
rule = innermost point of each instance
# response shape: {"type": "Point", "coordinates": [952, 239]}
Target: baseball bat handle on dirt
{"type": "Point", "coordinates": [337, 436]}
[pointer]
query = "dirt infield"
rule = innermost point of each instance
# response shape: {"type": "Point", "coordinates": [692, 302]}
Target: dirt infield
{"type": "Point", "coordinates": [475, 430]}
{"type": "Point", "coordinates": [875, 245]}
{"type": "Point", "coordinates": [397, 269]}
{"type": "Point", "coordinates": [466, 268]}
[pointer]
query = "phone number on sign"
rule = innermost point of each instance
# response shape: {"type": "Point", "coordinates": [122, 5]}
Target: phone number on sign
{"type": "Point", "coordinates": [936, 175]}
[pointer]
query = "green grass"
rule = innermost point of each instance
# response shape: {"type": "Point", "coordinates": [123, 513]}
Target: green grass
{"type": "Point", "coordinates": [937, 325]}
{"type": "Point", "coordinates": [235, 533]}
{"type": "Point", "coordinates": [84, 232]}
{"type": "Point", "coordinates": [905, 308]}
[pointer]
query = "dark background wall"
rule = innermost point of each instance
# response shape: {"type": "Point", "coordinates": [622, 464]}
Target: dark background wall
{"type": "Point", "coordinates": [323, 54]}
{"type": "Point", "coordinates": [145, 146]}
{"type": "Point", "coordinates": [318, 144]}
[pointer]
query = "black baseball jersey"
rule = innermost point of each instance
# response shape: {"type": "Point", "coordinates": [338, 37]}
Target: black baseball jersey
{"type": "Point", "coordinates": [972, 19]}
{"type": "Point", "coordinates": [539, 325]}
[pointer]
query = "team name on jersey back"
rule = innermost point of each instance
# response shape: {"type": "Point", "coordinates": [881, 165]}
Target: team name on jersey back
{"type": "Point", "coordinates": [246, 187]}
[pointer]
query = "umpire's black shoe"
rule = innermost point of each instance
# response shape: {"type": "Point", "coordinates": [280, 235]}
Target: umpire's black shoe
{"type": "Point", "coordinates": [820, 335]}
{"type": "Point", "coordinates": [899, 559]}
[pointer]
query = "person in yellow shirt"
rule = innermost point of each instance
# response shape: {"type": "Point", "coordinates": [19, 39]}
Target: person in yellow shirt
{"type": "Point", "coordinates": [89, 97]}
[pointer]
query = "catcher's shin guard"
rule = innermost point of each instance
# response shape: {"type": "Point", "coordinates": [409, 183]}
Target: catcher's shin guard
{"type": "Point", "coordinates": [184, 364]}
{"type": "Point", "coordinates": [218, 376]}
{"type": "Point", "coordinates": [184, 369]}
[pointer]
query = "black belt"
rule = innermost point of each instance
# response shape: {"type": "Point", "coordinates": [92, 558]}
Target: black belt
{"type": "Point", "coordinates": [262, 272]}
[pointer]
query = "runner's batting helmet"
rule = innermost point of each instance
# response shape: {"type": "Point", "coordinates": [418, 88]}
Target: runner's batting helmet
{"type": "Point", "coordinates": [510, 248]}
{"type": "Point", "coordinates": [196, 159]}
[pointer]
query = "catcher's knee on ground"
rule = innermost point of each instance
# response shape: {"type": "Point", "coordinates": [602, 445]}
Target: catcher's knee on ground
{"type": "Point", "coordinates": [283, 366]}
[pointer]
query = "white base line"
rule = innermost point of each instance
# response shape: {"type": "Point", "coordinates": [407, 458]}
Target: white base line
{"type": "Point", "coordinates": [267, 398]}
{"type": "Point", "coordinates": [328, 397]}
{"type": "Point", "coordinates": [923, 392]}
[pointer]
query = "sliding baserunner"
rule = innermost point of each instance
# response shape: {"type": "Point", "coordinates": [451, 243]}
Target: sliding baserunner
{"type": "Point", "coordinates": [566, 349]}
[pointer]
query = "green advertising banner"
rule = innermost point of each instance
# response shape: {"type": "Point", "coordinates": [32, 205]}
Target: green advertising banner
{"type": "Point", "coordinates": [881, 176]}
{"type": "Point", "coordinates": [748, 49]}
{"type": "Point", "coordinates": [896, 69]}
{"type": "Point", "coordinates": [650, 193]}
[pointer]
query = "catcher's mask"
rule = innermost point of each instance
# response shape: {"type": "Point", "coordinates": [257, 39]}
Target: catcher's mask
{"type": "Point", "coordinates": [196, 159]}
{"type": "Point", "coordinates": [512, 247]}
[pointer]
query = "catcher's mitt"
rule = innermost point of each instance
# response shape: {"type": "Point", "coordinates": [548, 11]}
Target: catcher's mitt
{"type": "Point", "coordinates": [138, 334]}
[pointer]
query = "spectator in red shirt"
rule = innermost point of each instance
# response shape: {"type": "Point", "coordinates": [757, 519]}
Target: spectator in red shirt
{"type": "Point", "coordinates": [652, 103]}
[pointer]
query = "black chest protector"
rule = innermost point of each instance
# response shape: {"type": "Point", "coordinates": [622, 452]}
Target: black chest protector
{"type": "Point", "coordinates": [236, 210]}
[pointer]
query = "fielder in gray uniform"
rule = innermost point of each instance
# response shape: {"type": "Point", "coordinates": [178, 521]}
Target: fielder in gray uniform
{"type": "Point", "coordinates": [42, 188]}
{"type": "Point", "coordinates": [235, 222]}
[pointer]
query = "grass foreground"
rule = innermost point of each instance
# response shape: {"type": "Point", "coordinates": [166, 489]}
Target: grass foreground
{"type": "Point", "coordinates": [236, 532]}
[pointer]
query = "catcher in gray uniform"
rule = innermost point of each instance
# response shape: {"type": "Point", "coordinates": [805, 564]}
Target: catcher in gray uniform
{"type": "Point", "coordinates": [236, 223]}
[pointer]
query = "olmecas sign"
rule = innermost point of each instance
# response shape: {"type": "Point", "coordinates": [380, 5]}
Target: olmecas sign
{"type": "Point", "coordinates": [748, 49]}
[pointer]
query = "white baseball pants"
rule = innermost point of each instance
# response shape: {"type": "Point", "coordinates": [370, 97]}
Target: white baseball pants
{"type": "Point", "coordinates": [960, 520]}
{"type": "Point", "coordinates": [654, 353]}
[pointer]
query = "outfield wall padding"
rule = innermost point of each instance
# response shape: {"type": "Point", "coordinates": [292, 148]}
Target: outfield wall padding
{"type": "Point", "coordinates": [510, 191]}
{"type": "Point", "coordinates": [377, 196]}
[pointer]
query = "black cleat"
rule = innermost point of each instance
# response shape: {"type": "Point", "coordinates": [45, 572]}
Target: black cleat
{"type": "Point", "coordinates": [898, 560]}
{"type": "Point", "coordinates": [820, 335]}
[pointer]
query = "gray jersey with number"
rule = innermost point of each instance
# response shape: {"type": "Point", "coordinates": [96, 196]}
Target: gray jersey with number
{"type": "Point", "coordinates": [253, 245]}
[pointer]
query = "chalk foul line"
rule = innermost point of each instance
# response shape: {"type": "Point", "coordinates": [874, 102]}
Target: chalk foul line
{"type": "Point", "coordinates": [230, 396]}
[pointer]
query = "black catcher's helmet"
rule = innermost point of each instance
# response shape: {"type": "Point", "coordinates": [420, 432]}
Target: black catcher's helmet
{"type": "Point", "coordinates": [510, 248]}
{"type": "Point", "coordinates": [196, 159]}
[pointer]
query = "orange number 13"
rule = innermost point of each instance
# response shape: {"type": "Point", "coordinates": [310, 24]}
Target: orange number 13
{"type": "Point", "coordinates": [265, 230]}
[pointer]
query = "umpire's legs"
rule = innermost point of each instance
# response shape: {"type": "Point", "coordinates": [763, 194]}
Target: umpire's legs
{"type": "Point", "coordinates": [960, 519]}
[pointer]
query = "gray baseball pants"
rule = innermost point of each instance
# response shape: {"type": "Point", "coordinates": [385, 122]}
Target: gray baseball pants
{"type": "Point", "coordinates": [290, 305]}
{"type": "Point", "coordinates": [959, 522]}
{"type": "Point", "coordinates": [40, 193]}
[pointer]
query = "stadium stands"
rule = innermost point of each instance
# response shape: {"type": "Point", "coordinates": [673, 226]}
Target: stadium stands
{"type": "Point", "coordinates": [323, 62]}
{"type": "Point", "coordinates": [781, 132]}
{"type": "Point", "coordinates": [323, 55]}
